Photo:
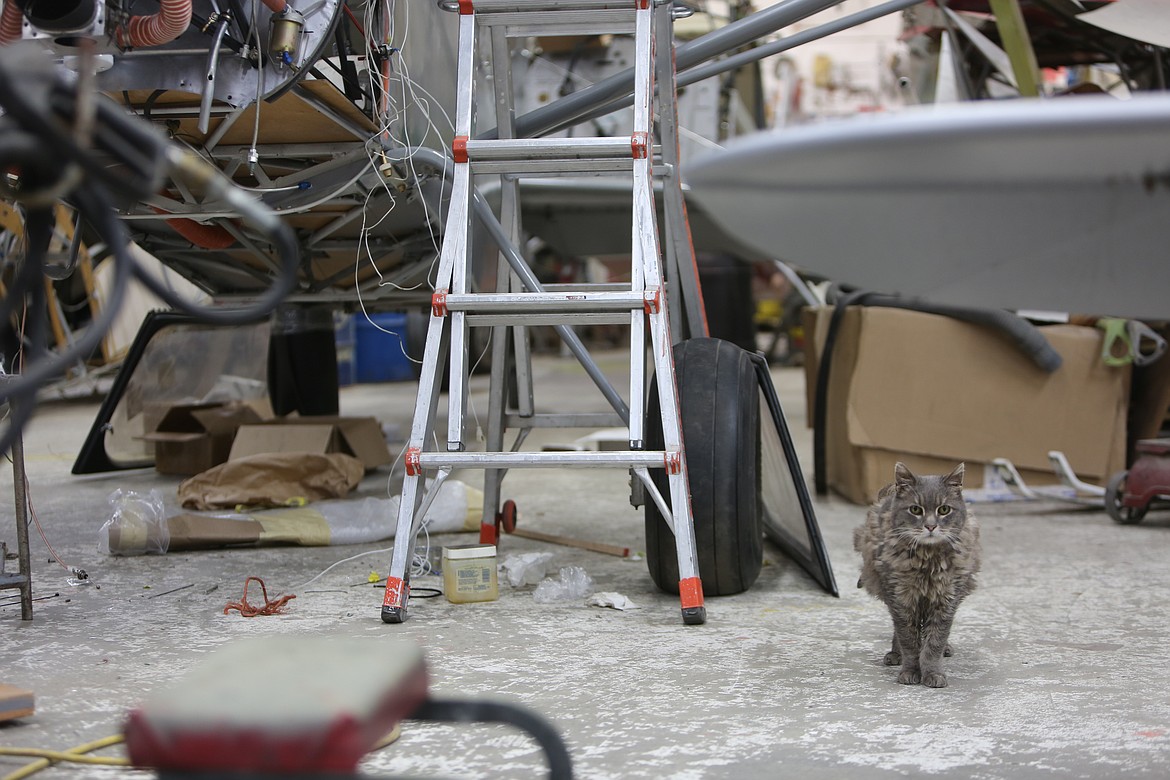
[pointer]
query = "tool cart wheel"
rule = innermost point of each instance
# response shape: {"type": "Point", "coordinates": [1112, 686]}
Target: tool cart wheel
{"type": "Point", "coordinates": [720, 408]}
{"type": "Point", "coordinates": [1114, 491]}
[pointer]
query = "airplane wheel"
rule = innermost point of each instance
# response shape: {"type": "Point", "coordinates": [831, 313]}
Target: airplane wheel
{"type": "Point", "coordinates": [720, 407]}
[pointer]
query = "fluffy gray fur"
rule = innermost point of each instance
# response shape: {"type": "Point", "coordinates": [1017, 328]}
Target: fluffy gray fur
{"type": "Point", "coordinates": [920, 552]}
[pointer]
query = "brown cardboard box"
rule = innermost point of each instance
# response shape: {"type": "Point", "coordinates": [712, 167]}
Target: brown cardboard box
{"type": "Point", "coordinates": [358, 436]}
{"type": "Point", "coordinates": [191, 438]}
{"type": "Point", "coordinates": [932, 391]}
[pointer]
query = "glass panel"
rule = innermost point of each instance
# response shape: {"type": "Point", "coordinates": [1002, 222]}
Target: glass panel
{"type": "Point", "coordinates": [185, 364]}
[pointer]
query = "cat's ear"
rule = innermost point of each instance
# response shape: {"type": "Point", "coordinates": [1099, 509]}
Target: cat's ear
{"type": "Point", "coordinates": [955, 478]}
{"type": "Point", "coordinates": [903, 475]}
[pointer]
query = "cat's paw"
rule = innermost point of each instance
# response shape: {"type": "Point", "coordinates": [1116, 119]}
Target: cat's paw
{"type": "Point", "coordinates": [910, 677]}
{"type": "Point", "coordinates": [892, 659]}
{"type": "Point", "coordinates": [934, 680]}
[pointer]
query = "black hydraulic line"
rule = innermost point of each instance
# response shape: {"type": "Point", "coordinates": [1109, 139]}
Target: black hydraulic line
{"type": "Point", "coordinates": [560, 764]}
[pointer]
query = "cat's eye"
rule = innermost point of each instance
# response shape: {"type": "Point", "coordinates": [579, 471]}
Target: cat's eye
{"type": "Point", "coordinates": [943, 511]}
{"type": "Point", "coordinates": [916, 510]}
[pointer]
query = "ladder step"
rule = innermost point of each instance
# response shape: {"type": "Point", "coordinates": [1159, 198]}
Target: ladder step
{"type": "Point", "coordinates": [590, 420]}
{"type": "Point", "coordinates": [545, 302]}
{"type": "Point", "coordinates": [551, 155]}
{"type": "Point", "coordinates": [548, 320]}
{"type": "Point", "coordinates": [653, 459]}
{"type": "Point", "coordinates": [522, 18]}
{"type": "Point", "coordinates": [523, 25]}
{"type": "Point", "coordinates": [549, 6]}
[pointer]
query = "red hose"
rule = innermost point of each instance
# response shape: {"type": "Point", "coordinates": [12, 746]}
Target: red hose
{"type": "Point", "coordinates": [276, 6]}
{"type": "Point", "coordinates": [173, 18]}
{"type": "Point", "coordinates": [202, 236]}
{"type": "Point", "coordinates": [10, 22]}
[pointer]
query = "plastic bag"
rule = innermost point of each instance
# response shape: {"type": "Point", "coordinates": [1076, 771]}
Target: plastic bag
{"type": "Point", "coordinates": [574, 584]}
{"type": "Point", "coordinates": [526, 568]}
{"type": "Point", "coordinates": [137, 525]}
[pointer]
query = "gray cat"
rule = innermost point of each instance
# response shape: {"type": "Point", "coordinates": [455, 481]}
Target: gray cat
{"type": "Point", "coordinates": [919, 555]}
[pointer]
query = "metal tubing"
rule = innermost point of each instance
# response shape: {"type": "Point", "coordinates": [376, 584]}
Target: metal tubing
{"type": "Point", "coordinates": [716, 67]}
{"type": "Point", "coordinates": [619, 85]}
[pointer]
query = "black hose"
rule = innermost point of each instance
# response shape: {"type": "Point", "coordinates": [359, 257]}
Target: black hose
{"type": "Point", "coordinates": [560, 764]}
{"type": "Point", "coordinates": [85, 150]}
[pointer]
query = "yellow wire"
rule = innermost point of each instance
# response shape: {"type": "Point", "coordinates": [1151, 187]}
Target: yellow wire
{"type": "Point", "coordinates": [389, 739]}
{"type": "Point", "coordinates": [75, 754]}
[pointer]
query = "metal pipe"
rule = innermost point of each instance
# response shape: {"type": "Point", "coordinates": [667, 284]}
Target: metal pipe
{"type": "Point", "coordinates": [714, 68]}
{"type": "Point", "coordinates": [212, 70]}
{"type": "Point", "coordinates": [571, 108]}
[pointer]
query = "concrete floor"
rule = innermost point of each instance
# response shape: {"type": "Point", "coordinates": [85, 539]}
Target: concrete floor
{"type": "Point", "coordinates": [1059, 668]}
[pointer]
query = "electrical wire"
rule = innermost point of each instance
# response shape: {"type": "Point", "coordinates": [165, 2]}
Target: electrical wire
{"type": "Point", "coordinates": [68, 755]}
{"type": "Point", "coordinates": [59, 143]}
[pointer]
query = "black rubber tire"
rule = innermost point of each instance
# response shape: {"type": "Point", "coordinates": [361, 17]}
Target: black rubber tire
{"type": "Point", "coordinates": [720, 408]}
{"type": "Point", "coordinates": [1124, 515]}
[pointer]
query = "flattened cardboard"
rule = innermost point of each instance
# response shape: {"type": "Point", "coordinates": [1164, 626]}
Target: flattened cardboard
{"type": "Point", "coordinates": [932, 391]}
{"type": "Point", "coordinates": [357, 436]}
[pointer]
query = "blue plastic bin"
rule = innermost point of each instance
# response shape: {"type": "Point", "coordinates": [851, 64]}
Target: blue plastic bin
{"type": "Point", "coordinates": [378, 355]}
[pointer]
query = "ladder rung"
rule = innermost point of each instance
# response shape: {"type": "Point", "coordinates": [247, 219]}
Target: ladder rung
{"type": "Point", "coordinates": [549, 6]}
{"type": "Point", "coordinates": [544, 302]}
{"type": "Point", "coordinates": [523, 25]}
{"type": "Point", "coordinates": [510, 149]}
{"type": "Point", "coordinates": [535, 320]}
{"type": "Point", "coordinates": [590, 420]}
{"type": "Point", "coordinates": [518, 460]}
{"type": "Point", "coordinates": [586, 287]}
{"type": "Point", "coordinates": [550, 155]}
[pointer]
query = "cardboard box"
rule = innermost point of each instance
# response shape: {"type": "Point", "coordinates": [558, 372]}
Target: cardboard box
{"type": "Point", "coordinates": [358, 436]}
{"type": "Point", "coordinates": [932, 391]}
{"type": "Point", "coordinates": [191, 438]}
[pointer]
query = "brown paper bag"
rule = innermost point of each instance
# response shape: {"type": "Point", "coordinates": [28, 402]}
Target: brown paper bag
{"type": "Point", "coordinates": [272, 480]}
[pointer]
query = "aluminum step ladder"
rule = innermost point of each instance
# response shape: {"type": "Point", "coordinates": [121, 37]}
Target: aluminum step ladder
{"type": "Point", "coordinates": [520, 301]}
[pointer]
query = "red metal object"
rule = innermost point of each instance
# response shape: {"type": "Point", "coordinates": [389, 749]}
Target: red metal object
{"type": "Point", "coordinates": [459, 148]}
{"type": "Point", "coordinates": [640, 145]}
{"type": "Point", "coordinates": [1130, 494]}
{"type": "Point", "coordinates": [690, 593]}
{"type": "Point", "coordinates": [503, 522]}
{"type": "Point", "coordinates": [652, 301]}
{"type": "Point", "coordinates": [439, 303]}
{"type": "Point", "coordinates": [413, 460]}
{"type": "Point", "coordinates": [396, 592]}
{"type": "Point", "coordinates": [673, 462]}
{"type": "Point", "coordinates": [329, 736]}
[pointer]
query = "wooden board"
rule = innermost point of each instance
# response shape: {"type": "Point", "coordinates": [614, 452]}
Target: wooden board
{"type": "Point", "coordinates": [287, 120]}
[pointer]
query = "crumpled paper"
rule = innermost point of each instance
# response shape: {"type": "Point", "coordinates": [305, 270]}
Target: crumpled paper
{"type": "Point", "coordinates": [611, 600]}
{"type": "Point", "coordinates": [272, 480]}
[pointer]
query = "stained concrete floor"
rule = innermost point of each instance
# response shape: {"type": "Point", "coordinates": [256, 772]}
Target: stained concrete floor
{"type": "Point", "coordinates": [1059, 669]}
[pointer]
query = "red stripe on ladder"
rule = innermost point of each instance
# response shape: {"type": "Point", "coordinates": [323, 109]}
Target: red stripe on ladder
{"type": "Point", "coordinates": [690, 592]}
{"type": "Point", "coordinates": [396, 592]}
